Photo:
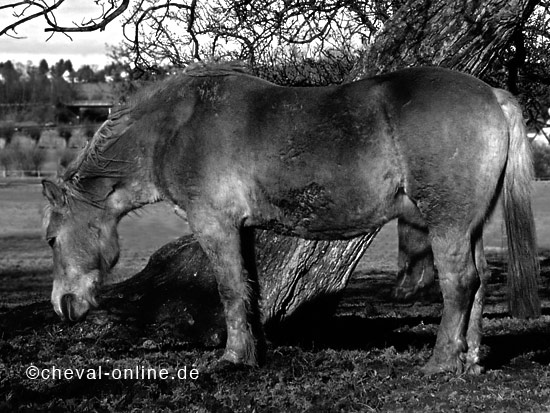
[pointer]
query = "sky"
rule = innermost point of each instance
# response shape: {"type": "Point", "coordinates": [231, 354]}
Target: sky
{"type": "Point", "coordinates": [85, 48]}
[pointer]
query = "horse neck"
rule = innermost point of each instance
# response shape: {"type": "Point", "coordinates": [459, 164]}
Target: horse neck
{"type": "Point", "coordinates": [121, 193]}
{"type": "Point", "coordinates": [140, 185]}
{"type": "Point", "coordinates": [120, 196]}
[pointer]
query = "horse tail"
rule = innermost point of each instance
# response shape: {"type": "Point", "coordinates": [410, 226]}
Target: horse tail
{"type": "Point", "coordinates": [523, 266]}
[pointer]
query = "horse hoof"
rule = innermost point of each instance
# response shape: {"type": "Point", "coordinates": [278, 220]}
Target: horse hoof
{"type": "Point", "coordinates": [433, 367]}
{"type": "Point", "coordinates": [231, 357]}
{"type": "Point", "coordinates": [475, 369]}
{"type": "Point", "coordinates": [224, 367]}
{"type": "Point", "coordinates": [403, 294]}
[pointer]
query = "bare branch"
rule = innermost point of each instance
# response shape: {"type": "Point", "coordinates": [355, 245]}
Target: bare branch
{"type": "Point", "coordinates": [44, 12]}
{"type": "Point", "coordinates": [191, 31]}
{"type": "Point", "coordinates": [13, 5]}
{"type": "Point", "coordinates": [148, 14]}
{"type": "Point", "coordinates": [93, 25]}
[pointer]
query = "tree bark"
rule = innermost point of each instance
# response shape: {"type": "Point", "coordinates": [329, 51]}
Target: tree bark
{"type": "Point", "coordinates": [461, 35]}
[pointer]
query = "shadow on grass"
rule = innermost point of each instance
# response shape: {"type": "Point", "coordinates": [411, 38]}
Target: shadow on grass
{"type": "Point", "coordinates": [415, 333]}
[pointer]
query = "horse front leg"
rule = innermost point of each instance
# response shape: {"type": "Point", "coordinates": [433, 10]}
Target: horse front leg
{"type": "Point", "coordinates": [459, 281]}
{"type": "Point", "coordinates": [222, 243]}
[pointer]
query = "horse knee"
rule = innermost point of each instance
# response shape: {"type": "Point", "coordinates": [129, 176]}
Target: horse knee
{"type": "Point", "coordinates": [459, 285]}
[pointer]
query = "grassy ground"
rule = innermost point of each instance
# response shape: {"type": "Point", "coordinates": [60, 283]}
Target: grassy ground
{"type": "Point", "coordinates": [366, 358]}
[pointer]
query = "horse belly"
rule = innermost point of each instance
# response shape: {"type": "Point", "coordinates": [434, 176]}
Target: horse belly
{"type": "Point", "coordinates": [315, 211]}
{"type": "Point", "coordinates": [330, 192]}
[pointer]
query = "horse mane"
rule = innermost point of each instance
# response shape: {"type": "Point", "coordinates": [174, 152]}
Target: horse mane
{"type": "Point", "coordinates": [100, 158]}
{"type": "Point", "coordinates": [200, 69]}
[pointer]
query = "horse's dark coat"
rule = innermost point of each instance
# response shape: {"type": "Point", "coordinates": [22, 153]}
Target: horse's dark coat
{"type": "Point", "coordinates": [429, 145]}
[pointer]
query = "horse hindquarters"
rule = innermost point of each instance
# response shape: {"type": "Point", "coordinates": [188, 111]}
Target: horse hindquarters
{"type": "Point", "coordinates": [462, 275]}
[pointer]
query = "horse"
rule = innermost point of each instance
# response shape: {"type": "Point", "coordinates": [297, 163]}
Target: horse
{"type": "Point", "coordinates": [434, 147]}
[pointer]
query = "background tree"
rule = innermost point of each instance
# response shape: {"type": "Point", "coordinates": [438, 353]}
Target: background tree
{"type": "Point", "coordinates": [7, 130]}
{"type": "Point", "coordinates": [10, 87]}
{"type": "Point", "coordinates": [7, 160]}
{"type": "Point", "coordinates": [37, 157]}
{"type": "Point", "coordinates": [62, 68]}
{"type": "Point", "coordinates": [34, 133]}
{"type": "Point", "coordinates": [43, 67]}
{"type": "Point", "coordinates": [66, 133]}
{"type": "Point", "coordinates": [31, 93]}
{"type": "Point", "coordinates": [284, 35]}
{"type": "Point", "coordinates": [85, 74]}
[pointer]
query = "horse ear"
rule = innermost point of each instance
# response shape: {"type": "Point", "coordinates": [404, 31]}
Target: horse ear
{"type": "Point", "coordinates": [54, 193]}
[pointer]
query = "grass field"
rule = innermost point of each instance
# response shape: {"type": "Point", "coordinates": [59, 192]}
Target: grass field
{"type": "Point", "coordinates": [367, 359]}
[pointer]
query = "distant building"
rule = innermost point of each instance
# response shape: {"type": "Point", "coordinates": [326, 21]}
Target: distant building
{"type": "Point", "coordinates": [93, 109]}
{"type": "Point", "coordinates": [93, 101]}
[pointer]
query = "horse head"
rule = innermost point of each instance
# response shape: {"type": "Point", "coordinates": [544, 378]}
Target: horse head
{"type": "Point", "coordinates": [84, 241]}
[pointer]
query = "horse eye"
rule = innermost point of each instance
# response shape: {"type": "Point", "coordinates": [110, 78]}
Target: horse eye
{"type": "Point", "coordinates": [51, 241]}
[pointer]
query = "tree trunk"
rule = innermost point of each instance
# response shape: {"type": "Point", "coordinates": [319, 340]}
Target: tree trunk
{"type": "Point", "coordinates": [461, 35]}
{"type": "Point", "coordinates": [293, 273]}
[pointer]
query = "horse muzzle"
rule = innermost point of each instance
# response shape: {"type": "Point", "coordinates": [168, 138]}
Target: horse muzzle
{"type": "Point", "coordinates": [72, 300]}
{"type": "Point", "coordinates": [72, 308]}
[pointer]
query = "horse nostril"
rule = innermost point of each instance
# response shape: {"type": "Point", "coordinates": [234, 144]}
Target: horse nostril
{"type": "Point", "coordinates": [67, 306]}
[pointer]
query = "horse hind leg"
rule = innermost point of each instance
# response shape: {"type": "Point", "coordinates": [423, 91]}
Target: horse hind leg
{"type": "Point", "coordinates": [416, 273]}
{"type": "Point", "coordinates": [459, 282]}
{"type": "Point", "coordinates": [223, 244]}
{"type": "Point", "coordinates": [474, 333]}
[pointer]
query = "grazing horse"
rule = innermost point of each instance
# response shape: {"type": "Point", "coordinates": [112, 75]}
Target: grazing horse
{"type": "Point", "coordinates": [434, 147]}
